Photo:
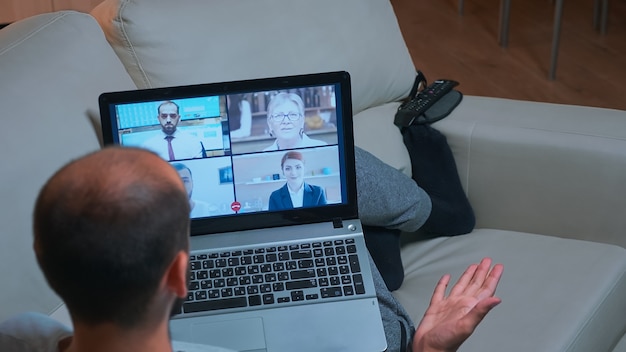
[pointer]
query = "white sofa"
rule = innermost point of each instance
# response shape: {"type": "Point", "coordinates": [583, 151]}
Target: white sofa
{"type": "Point", "coordinates": [547, 182]}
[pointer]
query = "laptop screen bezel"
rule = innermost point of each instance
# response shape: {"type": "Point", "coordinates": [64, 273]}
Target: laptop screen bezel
{"type": "Point", "coordinates": [264, 219]}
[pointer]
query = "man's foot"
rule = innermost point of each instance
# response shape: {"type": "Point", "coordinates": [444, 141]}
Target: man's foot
{"type": "Point", "coordinates": [384, 247]}
{"type": "Point", "coordinates": [434, 169]}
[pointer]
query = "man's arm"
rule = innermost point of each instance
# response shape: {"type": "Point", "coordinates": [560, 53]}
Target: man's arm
{"type": "Point", "coordinates": [450, 320]}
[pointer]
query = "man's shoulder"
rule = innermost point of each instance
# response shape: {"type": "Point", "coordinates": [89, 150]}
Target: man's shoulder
{"type": "Point", "coordinates": [185, 134]}
{"type": "Point", "coordinates": [156, 138]}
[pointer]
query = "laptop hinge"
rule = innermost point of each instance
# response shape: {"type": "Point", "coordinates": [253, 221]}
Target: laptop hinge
{"type": "Point", "coordinates": [337, 223]}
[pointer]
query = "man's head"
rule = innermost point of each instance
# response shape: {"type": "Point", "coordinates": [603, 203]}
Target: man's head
{"type": "Point", "coordinates": [185, 175]}
{"type": "Point", "coordinates": [108, 227]}
{"type": "Point", "coordinates": [168, 116]}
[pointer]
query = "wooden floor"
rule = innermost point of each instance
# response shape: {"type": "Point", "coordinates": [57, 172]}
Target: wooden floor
{"type": "Point", "coordinates": [591, 67]}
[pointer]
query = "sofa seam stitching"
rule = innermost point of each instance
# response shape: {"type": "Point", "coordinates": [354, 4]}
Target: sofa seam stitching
{"type": "Point", "coordinates": [561, 132]}
{"type": "Point", "coordinates": [128, 44]}
{"type": "Point", "coordinates": [34, 32]}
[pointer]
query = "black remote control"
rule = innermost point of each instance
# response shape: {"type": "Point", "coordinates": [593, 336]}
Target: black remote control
{"type": "Point", "coordinates": [409, 112]}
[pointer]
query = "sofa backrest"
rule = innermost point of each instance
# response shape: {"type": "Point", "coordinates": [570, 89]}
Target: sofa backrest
{"type": "Point", "coordinates": [52, 69]}
{"type": "Point", "coordinates": [179, 42]}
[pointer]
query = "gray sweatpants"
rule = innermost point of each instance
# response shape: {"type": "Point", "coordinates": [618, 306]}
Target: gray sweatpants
{"type": "Point", "coordinates": [387, 197]}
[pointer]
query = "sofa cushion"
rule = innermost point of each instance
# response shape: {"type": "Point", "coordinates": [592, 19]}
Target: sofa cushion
{"type": "Point", "coordinates": [375, 132]}
{"type": "Point", "coordinates": [229, 40]}
{"type": "Point", "coordinates": [163, 44]}
{"type": "Point", "coordinates": [52, 69]}
{"type": "Point", "coordinates": [570, 292]}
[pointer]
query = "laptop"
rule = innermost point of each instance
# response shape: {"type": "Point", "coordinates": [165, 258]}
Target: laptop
{"type": "Point", "coordinates": [278, 261]}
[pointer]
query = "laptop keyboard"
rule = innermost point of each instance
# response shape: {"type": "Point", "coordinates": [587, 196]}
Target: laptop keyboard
{"type": "Point", "coordinates": [273, 275]}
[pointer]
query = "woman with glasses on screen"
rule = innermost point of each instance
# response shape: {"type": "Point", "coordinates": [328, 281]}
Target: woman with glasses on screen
{"type": "Point", "coordinates": [285, 121]}
{"type": "Point", "coordinates": [295, 193]}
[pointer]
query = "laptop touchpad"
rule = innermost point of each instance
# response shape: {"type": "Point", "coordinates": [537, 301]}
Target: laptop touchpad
{"type": "Point", "coordinates": [238, 334]}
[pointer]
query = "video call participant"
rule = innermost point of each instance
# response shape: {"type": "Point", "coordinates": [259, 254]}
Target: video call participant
{"type": "Point", "coordinates": [285, 121]}
{"type": "Point", "coordinates": [172, 143]}
{"type": "Point", "coordinates": [198, 207]}
{"type": "Point", "coordinates": [295, 193]}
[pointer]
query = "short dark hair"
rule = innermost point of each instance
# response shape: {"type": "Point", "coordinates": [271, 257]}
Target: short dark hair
{"type": "Point", "coordinates": [107, 226]}
{"type": "Point", "coordinates": [168, 102]}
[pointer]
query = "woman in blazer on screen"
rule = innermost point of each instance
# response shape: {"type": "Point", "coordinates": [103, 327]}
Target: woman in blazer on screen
{"type": "Point", "coordinates": [295, 193]}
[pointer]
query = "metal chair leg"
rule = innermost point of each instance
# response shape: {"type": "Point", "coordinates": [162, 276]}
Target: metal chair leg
{"type": "Point", "coordinates": [596, 14]}
{"type": "Point", "coordinates": [600, 15]}
{"type": "Point", "coordinates": [605, 16]}
{"type": "Point", "coordinates": [505, 16]}
{"type": "Point", "coordinates": [556, 34]}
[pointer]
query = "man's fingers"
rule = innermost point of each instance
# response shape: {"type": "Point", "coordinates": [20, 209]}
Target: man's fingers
{"type": "Point", "coordinates": [483, 307]}
{"type": "Point", "coordinates": [479, 277]}
{"type": "Point", "coordinates": [491, 282]}
{"type": "Point", "coordinates": [478, 313]}
{"type": "Point", "coordinates": [475, 284]}
{"type": "Point", "coordinates": [478, 280]}
{"type": "Point", "coordinates": [464, 280]}
{"type": "Point", "coordinates": [440, 289]}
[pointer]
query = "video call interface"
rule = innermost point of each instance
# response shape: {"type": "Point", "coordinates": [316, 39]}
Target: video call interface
{"type": "Point", "coordinates": [247, 152]}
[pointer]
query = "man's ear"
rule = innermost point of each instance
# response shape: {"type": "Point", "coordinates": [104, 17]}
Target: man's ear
{"type": "Point", "coordinates": [175, 279]}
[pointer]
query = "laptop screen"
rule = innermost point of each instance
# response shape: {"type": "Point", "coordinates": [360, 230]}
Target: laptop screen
{"type": "Point", "coordinates": [252, 154]}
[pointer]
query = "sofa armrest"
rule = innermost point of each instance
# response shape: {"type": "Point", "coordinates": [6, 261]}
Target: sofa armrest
{"type": "Point", "coordinates": [542, 168]}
